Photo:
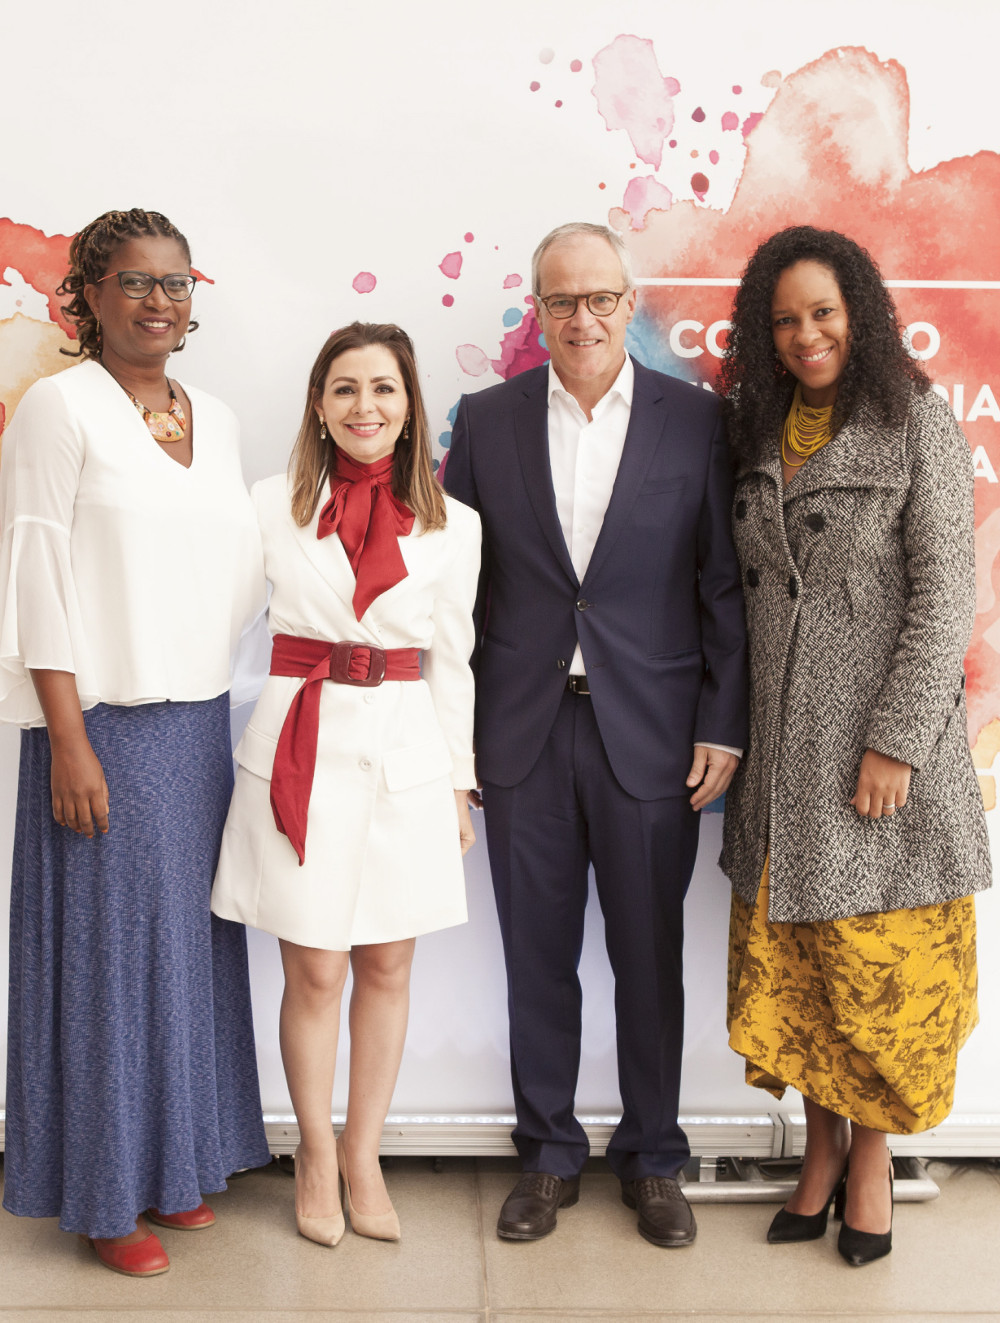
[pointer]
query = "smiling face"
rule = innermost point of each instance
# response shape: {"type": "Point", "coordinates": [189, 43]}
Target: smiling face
{"type": "Point", "coordinates": [136, 332]}
{"type": "Point", "coordinates": [364, 402]}
{"type": "Point", "coordinates": [810, 329]}
{"type": "Point", "coordinates": [587, 351]}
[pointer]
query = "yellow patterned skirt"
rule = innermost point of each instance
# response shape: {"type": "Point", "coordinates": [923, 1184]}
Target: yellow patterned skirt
{"type": "Point", "coordinates": [864, 1016]}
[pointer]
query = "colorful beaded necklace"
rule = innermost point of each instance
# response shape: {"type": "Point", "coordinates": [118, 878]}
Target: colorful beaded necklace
{"type": "Point", "coordinates": [167, 426]}
{"type": "Point", "coordinates": [806, 430]}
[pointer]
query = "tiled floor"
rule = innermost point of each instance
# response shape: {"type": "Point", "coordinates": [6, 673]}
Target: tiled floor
{"type": "Point", "coordinates": [450, 1265]}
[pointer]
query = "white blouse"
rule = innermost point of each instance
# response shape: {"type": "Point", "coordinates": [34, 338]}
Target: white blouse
{"type": "Point", "coordinates": [116, 562]}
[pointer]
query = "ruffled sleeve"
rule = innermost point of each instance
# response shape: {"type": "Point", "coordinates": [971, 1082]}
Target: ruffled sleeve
{"type": "Point", "coordinates": [41, 617]}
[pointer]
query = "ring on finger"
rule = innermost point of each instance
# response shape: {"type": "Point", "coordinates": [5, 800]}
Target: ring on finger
{"type": "Point", "coordinates": [888, 808]}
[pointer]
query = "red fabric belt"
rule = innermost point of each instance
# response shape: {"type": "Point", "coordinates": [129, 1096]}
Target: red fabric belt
{"type": "Point", "coordinates": [358, 664]}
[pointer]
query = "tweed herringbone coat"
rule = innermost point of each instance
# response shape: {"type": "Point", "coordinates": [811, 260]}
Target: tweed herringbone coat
{"type": "Point", "coordinates": [860, 595]}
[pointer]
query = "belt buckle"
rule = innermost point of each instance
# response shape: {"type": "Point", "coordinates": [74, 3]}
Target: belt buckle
{"type": "Point", "coordinates": [341, 656]}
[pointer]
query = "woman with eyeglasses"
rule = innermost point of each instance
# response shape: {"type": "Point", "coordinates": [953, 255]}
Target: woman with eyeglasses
{"type": "Point", "coordinates": [350, 814]}
{"type": "Point", "coordinates": [131, 564]}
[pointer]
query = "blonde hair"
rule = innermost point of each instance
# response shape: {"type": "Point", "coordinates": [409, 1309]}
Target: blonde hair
{"type": "Point", "coordinates": [312, 458]}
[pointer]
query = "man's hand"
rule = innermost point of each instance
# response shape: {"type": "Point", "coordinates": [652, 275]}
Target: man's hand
{"type": "Point", "coordinates": [711, 772]}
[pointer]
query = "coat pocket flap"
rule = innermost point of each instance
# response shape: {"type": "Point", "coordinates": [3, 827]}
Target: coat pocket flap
{"type": "Point", "coordinates": [416, 764]}
{"type": "Point", "coordinates": [255, 752]}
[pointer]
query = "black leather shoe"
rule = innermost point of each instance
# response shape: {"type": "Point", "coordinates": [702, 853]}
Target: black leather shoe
{"type": "Point", "coordinates": [861, 1247]}
{"type": "Point", "coordinates": [665, 1216]}
{"type": "Point", "coordinates": [529, 1211]}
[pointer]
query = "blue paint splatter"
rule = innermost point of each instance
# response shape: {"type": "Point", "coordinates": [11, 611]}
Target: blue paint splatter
{"type": "Point", "coordinates": [512, 316]}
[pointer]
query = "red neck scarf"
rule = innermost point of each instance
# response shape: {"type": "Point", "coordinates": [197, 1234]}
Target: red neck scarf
{"type": "Point", "coordinates": [370, 520]}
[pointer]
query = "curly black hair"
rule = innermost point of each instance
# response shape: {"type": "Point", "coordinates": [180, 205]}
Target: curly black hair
{"type": "Point", "coordinates": [90, 255]}
{"type": "Point", "coordinates": [879, 372]}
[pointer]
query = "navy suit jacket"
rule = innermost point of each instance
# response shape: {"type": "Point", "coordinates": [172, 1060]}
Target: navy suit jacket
{"type": "Point", "coordinates": [659, 614]}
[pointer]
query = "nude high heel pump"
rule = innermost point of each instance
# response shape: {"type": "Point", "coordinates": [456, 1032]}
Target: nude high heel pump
{"type": "Point", "coordinates": [323, 1230]}
{"type": "Point", "coordinates": [379, 1226]}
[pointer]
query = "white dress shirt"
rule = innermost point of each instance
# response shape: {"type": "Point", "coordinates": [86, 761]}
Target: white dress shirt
{"type": "Point", "coordinates": [584, 457]}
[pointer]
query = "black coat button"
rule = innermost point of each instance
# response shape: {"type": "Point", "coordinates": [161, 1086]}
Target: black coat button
{"type": "Point", "coordinates": [561, 664]}
{"type": "Point", "coordinates": [753, 578]}
{"type": "Point", "coordinates": [815, 521]}
{"type": "Point", "coordinates": [793, 587]}
{"type": "Point", "coordinates": [741, 510]}
{"type": "Point", "coordinates": [582, 604]}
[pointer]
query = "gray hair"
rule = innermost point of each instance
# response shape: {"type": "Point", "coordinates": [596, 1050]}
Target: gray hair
{"type": "Point", "coordinates": [583, 227]}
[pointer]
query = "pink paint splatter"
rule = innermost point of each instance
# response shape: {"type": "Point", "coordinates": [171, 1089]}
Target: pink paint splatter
{"type": "Point", "coordinates": [520, 350]}
{"type": "Point", "coordinates": [643, 195]}
{"type": "Point", "coordinates": [558, 104]}
{"type": "Point", "coordinates": [750, 123]}
{"type": "Point", "coordinates": [730, 120]}
{"type": "Point", "coordinates": [364, 282]}
{"type": "Point", "coordinates": [512, 281]}
{"type": "Point", "coordinates": [447, 299]}
{"type": "Point", "coordinates": [451, 265]}
{"type": "Point", "coordinates": [546, 55]}
{"type": "Point", "coordinates": [472, 360]}
{"type": "Point", "coordinates": [633, 95]}
{"type": "Point", "coordinates": [469, 237]}
{"type": "Point", "coordinates": [737, 89]}
{"type": "Point", "coordinates": [699, 186]}
{"type": "Point", "coordinates": [697, 114]}
{"type": "Point", "coordinates": [672, 142]}
{"type": "Point", "coordinates": [575, 66]}
{"type": "Point", "coordinates": [771, 79]}
{"type": "Point", "coordinates": [533, 87]}
{"type": "Point", "coordinates": [714, 157]}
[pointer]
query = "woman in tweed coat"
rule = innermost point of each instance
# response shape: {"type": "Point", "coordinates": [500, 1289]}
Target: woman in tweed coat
{"type": "Point", "coordinates": [854, 830]}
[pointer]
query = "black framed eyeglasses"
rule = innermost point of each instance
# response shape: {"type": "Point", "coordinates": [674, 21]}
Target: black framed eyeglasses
{"type": "Point", "coordinates": [137, 284]}
{"type": "Point", "coordinates": [602, 303]}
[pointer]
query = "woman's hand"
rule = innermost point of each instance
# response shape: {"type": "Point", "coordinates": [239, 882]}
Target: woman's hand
{"type": "Point", "coordinates": [79, 790]}
{"type": "Point", "coordinates": [466, 835]}
{"type": "Point", "coordinates": [883, 784]}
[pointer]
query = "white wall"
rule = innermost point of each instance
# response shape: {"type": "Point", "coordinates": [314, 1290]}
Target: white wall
{"type": "Point", "coordinates": [299, 144]}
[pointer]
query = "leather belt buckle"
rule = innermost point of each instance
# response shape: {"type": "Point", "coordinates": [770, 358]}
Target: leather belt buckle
{"type": "Point", "coordinates": [341, 656]}
{"type": "Point", "coordinates": [577, 684]}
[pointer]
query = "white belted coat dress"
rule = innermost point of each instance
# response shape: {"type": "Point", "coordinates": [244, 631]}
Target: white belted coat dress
{"type": "Point", "coordinates": [382, 854]}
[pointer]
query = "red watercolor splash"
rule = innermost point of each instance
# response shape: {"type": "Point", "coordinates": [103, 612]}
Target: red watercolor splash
{"type": "Point", "coordinates": [831, 151]}
{"type": "Point", "coordinates": [448, 300]}
{"type": "Point", "coordinates": [512, 281]}
{"type": "Point", "coordinates": [364, 282]}
{"type": "Point", "coordinates": [451, 265]}
{"type": "Point", "coordinates": [730, 121]}
{"type": "Point", "coordinates": [633, 95]}
{"type": "Point", "coordinates": [520, 350]}
{"type": "Point", "coordinates": [643, 195]}
{"type": "Point", "coordinates": [41, 259]}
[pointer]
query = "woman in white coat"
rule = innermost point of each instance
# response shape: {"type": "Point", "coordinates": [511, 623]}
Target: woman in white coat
{"type": "Point", "coordinates": [350, 815]}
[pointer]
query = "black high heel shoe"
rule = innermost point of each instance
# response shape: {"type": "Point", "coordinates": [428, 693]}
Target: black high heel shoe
{"type": "Point", "coordinates": [787, 1228]}
{"type": "Point", "coordinates": [861, 1247]}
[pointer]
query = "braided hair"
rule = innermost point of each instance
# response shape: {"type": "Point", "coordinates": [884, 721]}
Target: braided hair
{"type": "Point", "coordinates": [879, 372]}
{"type": "Point", "coordinates": [90, 255]}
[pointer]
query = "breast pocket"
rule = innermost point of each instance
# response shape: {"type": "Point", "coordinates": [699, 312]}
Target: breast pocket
{"type": "Point", "coordinates": [655, 499]}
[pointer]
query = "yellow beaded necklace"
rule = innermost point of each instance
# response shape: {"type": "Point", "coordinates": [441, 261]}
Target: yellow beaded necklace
{"type": "Point", "coordinates": [806, 430]}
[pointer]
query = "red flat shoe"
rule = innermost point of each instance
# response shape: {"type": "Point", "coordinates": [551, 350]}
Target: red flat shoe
{"type": "Point", "coordinates": [145, 1258]}
{"type": "Point", "coordinates": [195, 1219]}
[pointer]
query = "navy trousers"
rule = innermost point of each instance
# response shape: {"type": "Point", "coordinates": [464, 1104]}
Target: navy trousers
{"type": "Point", "coordinates": [542, 834]}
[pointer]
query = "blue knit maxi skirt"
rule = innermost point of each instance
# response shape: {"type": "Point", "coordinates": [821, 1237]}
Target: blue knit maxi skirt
{"type": "Point", "coordinates": [132, 1080]}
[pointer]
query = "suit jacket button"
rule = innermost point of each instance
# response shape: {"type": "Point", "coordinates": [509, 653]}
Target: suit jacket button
{"type": "Point", "coordinates": [793, 587]}
{"type": "Point", "coordinates": [741, 510]}
{"type": "Point", "coordinates": [815, 521]}
{"type": "Point", "coordinates": [753, 578]}
{"type": "Point", "coordinates": [561, 664]}
{"type": "Point", "coordinates": [582, 604]}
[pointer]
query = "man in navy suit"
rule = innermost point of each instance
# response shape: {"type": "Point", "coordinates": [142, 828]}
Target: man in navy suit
{"type": "Point", "coordinates": [611, 708]}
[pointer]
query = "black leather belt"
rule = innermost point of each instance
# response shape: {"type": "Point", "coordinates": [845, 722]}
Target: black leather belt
{"type": "Point", "coordinates": [577, 684]}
